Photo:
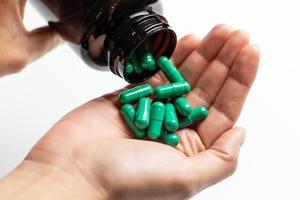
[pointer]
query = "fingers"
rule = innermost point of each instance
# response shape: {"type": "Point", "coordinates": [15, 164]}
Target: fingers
{"type": "Point", "coordinates": [206, 51]}
{"type": "Point", "coordinates": [211, 81]}
{"type": "Point", "coordinates": [228, 104]}
{"type": "Point", "coordinates": [192, 60]}
{"type": "Point", "coordinates": [40, 41]}
{"type": "Point", "coordinates": [183, 49]}
{"type": "Point", "coordinates": [217, 163]}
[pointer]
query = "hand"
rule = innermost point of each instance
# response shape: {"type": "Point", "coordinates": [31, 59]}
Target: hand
{"type": "Point", "coordinates": [18, 46]}
{"type": "Point", "coordinates": [95, 141]}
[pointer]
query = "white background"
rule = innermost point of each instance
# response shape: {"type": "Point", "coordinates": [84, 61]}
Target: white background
{"type": "Point", "coordinates": [32, 101]}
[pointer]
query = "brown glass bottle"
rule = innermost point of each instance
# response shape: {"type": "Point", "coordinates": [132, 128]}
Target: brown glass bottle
{"type": "Point", "coordinates": [106, 33]}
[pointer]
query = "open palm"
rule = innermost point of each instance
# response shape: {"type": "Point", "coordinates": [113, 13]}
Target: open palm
{"type": "Point", "coordinates": [221, 69]}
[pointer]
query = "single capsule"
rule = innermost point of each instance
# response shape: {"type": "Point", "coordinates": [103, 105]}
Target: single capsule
{"type": "Point", "coordinates": [136, 65]}
{"type": "Point", "coordinates": [171, 121]}
{"type": "Point", "coordinates": [169, 70]}
{"type": "Point", "coordinates": [135, 93]}
{"type": "Point", "coordinates": [198, 114]}
{"type": "Point", "coordinates": [171, 139]}
{"type": "Point", "coordinates": [156, 120]}
{"type": "Point", "coordinates": [148, 62]}
{"type": "Point", "coordinates": [183, 107]}
{"type": "Point", "coordinates": [172, 90]}
{"type": "Point", "coordinates": [138, 69]}
{"type": "Point", "coordinates": [129, 68]}
{"type": "Point", "coordinates": [128, 113]}
{"type": "Point", "coordinates": [143, 113]}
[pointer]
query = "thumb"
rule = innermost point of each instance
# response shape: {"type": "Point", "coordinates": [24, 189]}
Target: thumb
{"type": "Point", "coordinates": [220, 161]}
{"type": "Point", "coordinates": [41, 40]}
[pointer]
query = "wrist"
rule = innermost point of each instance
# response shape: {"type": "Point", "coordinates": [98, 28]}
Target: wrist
{"type": "Point", "coordinates": [42, 180]}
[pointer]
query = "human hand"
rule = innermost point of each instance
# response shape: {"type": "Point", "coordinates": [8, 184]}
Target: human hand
{"type": "Point", "coordinates": [94, 142]}
{"type": "Point", "coordinates": [18, 46]}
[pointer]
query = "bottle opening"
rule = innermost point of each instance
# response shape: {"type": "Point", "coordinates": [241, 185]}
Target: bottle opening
{"type": "Point", "coordinates": [158, 44]}
{"type": "Point", "coordinates": [143, 31]}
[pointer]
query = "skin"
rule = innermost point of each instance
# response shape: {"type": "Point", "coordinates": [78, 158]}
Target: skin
{"type": "Point", "coordinates": [27, 45]}
{"type": "Point", "coordinates": [90, 153]}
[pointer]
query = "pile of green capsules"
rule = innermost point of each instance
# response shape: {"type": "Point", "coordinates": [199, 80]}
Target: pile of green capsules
{"type": "Point", "coordinates": [161, 111]}
{"type": "Point", "coordinates": [134, 67]}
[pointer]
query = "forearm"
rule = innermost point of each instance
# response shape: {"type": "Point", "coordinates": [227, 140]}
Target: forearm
{"type": "Point", "coordinates": [32, 180]}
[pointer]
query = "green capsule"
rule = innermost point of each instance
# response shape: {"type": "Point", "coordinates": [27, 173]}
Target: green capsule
{"type": "Point", "coordinates": [148, 62]}
{"type": "Point", "coordinates": [171, 139]}
{"type": "Point", "coordinates": [129, 68]}
{"type": "Point", "coordinates": [183, 107]}
{"type": "Point", "coordinates": [198, 114]}
{"type": "Point", "coordinates": [143, 113]}
{"type": "Point", "coordinates": [136, 65]}
{"type": "Point", "coordinates": [135, 93]}
{"type": "Point", "coordinates": [172, 90]}
{"type": "Point", "coordinates": [169, 70]}
{"type": "Point", "coordinates": [128, 113]}
{"type": "Point", "coordinates": [171, 120]}
{"type": "Point", "coordinates": [156, 120]}
{"type": "Point", "coordinates": [138, 69]}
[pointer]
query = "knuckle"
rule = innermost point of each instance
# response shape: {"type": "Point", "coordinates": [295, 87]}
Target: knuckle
{"type": "Point", "coordinates": [232, 163]}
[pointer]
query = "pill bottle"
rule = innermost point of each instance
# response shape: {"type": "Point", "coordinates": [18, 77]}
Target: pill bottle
{"type": "Point", "coordinates": [106, 33]}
